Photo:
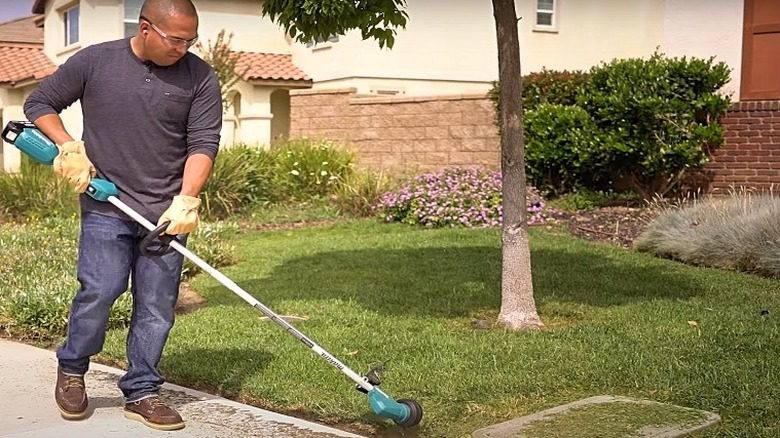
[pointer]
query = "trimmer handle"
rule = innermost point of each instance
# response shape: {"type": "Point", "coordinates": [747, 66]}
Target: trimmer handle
{"type": "Point", "coordinates": [164, 241]}
{"type": "Point", "coordinates": [30, 140]}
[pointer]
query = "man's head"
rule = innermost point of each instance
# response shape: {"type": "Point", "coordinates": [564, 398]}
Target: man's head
{"type": "Point", "coordinates": [166, 29]}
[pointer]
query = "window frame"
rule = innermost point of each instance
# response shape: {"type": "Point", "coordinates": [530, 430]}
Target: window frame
{"type": "Point", "coordinates": [553, 17]}
{"type": "Point", "coordinates": [129, 20]}
{"type": "Point", "coordinates": [66, 24]}
{"type": "Point", "coordinates": [314, 45]}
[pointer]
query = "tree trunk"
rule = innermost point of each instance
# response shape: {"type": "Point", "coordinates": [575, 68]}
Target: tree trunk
{"type": "Point", "coordinates": [518, 308]}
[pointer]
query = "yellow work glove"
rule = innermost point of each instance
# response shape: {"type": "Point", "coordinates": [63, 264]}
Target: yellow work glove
{"type": "Point", "coordinates": [183, 214]}
{"type": "Point", "coordinates": [73, 164]}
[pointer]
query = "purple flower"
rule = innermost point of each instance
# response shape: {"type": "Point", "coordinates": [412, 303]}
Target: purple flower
{"type": "Point", "coordinates": [455, 196]}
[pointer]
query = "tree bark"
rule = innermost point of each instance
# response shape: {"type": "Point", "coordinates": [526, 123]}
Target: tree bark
{"type": "Point", "coordinates": [518, 308]}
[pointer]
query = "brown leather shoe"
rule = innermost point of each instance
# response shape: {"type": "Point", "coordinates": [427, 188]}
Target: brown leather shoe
{"type": "Point", "coordinates": [71, 396]}
{"type": "Point", "coordinates": [152, 412]}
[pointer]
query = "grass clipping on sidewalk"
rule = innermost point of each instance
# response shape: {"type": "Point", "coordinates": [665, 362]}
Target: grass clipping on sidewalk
{"type": "Point", "coordinates": [619, 419]}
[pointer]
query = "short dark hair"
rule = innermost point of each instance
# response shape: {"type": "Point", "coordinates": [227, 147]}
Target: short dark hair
{"type": "Point", "coordinates": [161, 9]}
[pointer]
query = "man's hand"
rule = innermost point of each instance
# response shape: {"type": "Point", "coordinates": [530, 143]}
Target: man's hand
{"type": "Point", "coordinates": [183, 214]}
{"type": "Point", "coordinates": [73, 164]}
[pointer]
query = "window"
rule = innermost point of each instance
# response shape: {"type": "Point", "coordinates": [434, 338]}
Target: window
{"type": "Point", "coordinates": [545, 15]}
{"type": "Point", "coordinates": [331, 39]}
{"type": "Point", "coordinates": [71, 20]}
{"type": "Point", "coordinates": [132, 12]}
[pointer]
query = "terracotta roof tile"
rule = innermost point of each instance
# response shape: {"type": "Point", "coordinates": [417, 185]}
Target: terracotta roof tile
{"type": "Point", "coordinates": [22, 30]}
{"type": "Point", "coordinates": [21, 52]}
{"type": "Point", "coordinates": [269, 66]}
{"type": "Point", "coordinates": [21, 63]}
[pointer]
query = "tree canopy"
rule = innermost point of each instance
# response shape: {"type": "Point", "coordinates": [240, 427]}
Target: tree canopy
{"type": "Point", "coordinates": [316, 20]}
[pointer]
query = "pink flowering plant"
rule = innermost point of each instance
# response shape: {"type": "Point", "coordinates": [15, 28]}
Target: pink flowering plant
{"type": "Point", "coordinates": [455, 197]}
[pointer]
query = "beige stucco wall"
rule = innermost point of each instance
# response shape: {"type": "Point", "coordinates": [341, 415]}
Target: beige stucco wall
{"type": "Point", "coordinates": [251, 32]}
{"type": "Point", "coordinates": [450, 47]}
{"type": "Point", "coordinates": [705, 28]}
{"type": "Point", "coordinates": [590, 32]}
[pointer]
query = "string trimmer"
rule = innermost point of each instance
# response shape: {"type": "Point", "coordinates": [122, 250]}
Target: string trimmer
{"type": "Point", "coordinates": [30, 140]}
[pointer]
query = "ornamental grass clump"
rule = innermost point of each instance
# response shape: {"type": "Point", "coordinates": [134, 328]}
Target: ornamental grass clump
{"type": "Point", "coordinates": [454, 197]}
{"type": "Point", "coordinates": [740, 232]}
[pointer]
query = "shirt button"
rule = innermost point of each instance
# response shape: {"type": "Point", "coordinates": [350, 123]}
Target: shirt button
{"type": "Point", "coordinates": [148, 80]}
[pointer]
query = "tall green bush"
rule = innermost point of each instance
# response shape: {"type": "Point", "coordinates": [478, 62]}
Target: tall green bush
{"type": "Point", "coordinates": [307, 169]}
{"type": "Point", "coordinates": [659, 118]}
{"type": "Point", "coordinates": [242, 176]}
{"type": "Point", "coordinates": [546, 87]}
{"type": "Point", "coordinates": [562, 149]}
{"type": "Point", "coordinates": [649, 123]}
{"type": "Point", "coordinates": [361, 191]}
{"type": "Point", "coordinates": [35, 192]}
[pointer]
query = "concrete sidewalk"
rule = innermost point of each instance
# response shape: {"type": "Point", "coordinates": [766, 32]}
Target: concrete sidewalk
{"type": "Point", "coordinates": [27, 409]}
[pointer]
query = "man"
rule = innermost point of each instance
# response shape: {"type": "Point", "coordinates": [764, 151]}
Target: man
{"type": "Point", "coordinates": [152, 117]}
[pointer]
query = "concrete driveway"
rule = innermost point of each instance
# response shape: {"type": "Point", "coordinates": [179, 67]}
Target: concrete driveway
{"type": "Point", "coordinates": [27, 409]}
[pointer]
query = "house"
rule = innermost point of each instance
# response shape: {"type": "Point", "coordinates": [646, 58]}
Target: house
{"type": "Point", "coordinates": [22, 66]}
{"type": "Point", "coordinates": [423, 102]}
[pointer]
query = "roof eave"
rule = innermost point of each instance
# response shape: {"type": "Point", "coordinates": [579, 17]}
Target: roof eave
{"type": "Point", "coordinates": [19, 83]}
{"type": "Point", "coordinates": [39, 7]}
{"type": "Point", "coordinates": [287, 83]}
{"type": "Point", "coordinates": [33, 79]}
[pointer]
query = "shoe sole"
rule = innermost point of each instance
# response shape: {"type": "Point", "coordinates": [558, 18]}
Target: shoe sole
{"type": "Point", "coordinates": [72, 415]}
{"type": "Point", "coordinates": [140, 418]}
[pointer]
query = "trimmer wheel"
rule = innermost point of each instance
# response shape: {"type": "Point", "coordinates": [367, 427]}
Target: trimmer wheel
{"type": "Point", "coordinates": [415, 413]}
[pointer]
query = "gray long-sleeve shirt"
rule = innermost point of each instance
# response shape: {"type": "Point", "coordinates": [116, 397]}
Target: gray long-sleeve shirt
{"type": "Point", "coordinates": [141, 121]}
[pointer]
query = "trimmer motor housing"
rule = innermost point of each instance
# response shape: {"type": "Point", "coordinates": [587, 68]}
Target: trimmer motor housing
{"type": "Point", "coordinates": [30, 140]}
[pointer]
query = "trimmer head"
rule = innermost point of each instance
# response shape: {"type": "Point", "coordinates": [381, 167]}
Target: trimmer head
{"type": "Point", "coordinates": [404, 412]}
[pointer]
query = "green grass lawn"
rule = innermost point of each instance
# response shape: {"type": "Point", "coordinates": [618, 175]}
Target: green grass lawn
{"type": "Point", "coordinates": [619, 323]}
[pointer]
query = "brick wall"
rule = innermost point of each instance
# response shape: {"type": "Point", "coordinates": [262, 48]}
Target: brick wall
{"type": "Point", "coordinates": [751, 155]}
{"type": "Point", "coordinates": [398, 133]}
{"type": "Point", "coordinates": [428, 133]}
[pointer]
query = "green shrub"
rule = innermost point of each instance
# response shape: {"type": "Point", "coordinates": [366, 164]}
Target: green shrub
{"type": "Point", "coordinates": [740, 233]}
{"type": "Point", "coordinates": [546, 87]}
{"type": "Point", "coordinates": [35, 192]}
{"type": "Point", "coordinates": [553, 87]}
{"type": "Point", "coordinates": [454, 197]}
{"type": "Point", "coordinates": [242, 176]}
{"type": "Point", "coordinates": [649, 122]}
{"type": "Point", "coordinates": [658, 118]}
{"type": "Point", "coordinates": [306, 169]}
{"type": "Point", "coordinates": [361, 191]}
{"type": "Point", "coordinates": [562, 149]}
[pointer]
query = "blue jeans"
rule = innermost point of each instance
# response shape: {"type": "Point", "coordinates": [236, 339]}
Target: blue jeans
{"type": "Point", "coordinates": [108, 256]}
